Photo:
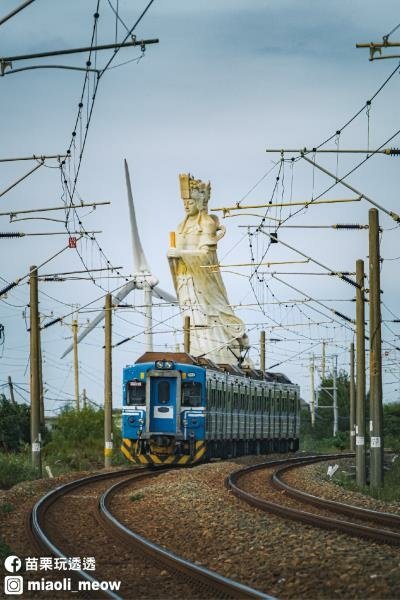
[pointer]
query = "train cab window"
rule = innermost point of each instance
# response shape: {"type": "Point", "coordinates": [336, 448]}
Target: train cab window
{"type": "Point", "coordinates": [163, 392]}
{"type": "Point", "coordinates": [136, 392]}
{"type": "Point", "coordinates": [191, 393]}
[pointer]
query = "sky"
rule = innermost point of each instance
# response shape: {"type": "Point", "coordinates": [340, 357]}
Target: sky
{"type": "Point", "coordinates": [226, 81]}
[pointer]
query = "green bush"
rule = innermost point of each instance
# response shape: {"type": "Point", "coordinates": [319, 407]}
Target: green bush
{"type": "Point", "coordinates": [77, 441]}
{"type": "Point", "coordinates": [14, 425]}
{"type": "Point", "coordinates": [15, 468]}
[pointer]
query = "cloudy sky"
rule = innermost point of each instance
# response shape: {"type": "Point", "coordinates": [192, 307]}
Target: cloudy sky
{"type": "Point", "coordinates": [226, 81]}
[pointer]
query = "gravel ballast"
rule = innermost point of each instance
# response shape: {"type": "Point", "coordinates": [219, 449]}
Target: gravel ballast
{"type": "Point", "coordinates": [191, 512]}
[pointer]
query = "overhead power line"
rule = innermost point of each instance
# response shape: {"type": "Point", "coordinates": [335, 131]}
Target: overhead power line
{"type": "Point", "coordinates": [8, 60]}
{"type": "Point", "coordinates": [16, 11]}
{"type": "Point", "coordinates": [11, 213]}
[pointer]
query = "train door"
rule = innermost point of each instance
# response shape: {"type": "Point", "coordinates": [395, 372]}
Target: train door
{"type": "Point", "coordinates": [163, 404]}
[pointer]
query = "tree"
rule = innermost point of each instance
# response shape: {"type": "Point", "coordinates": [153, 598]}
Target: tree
{"type": "Point", "coordinates": [14, 424]}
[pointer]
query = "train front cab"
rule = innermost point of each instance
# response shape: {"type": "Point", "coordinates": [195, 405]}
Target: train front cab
{"type": "Point", "coordinates": [163, 414]}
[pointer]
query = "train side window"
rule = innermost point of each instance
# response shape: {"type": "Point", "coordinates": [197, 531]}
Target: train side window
{"type": "Point", "coordinates": [163, 392]}
{"type": "Point", "coordinates": [191, 393]}
{"type": "Point", "coordinates": [136, 392]}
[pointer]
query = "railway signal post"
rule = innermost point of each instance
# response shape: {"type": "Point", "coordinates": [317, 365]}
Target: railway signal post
{"type": "Point", "coordinates": [360, 375]}
{"type": "Point", "coordinates": [35, 370]}
{"type": "Point", "coordinates": [375, 344]}
{"type": "Point", "coordinates": [108, 436]}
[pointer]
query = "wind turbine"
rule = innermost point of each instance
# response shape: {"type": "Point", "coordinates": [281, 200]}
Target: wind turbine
{"type": "Point", "coordinates": [142, 280]}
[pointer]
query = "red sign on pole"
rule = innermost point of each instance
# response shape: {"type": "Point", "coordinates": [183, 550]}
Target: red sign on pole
{"type": "Point", "coordinates": [72, 242]}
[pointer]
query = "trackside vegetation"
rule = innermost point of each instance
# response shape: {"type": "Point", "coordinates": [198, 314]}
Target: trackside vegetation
{"type": "Point", "coordinates": [75, 443]}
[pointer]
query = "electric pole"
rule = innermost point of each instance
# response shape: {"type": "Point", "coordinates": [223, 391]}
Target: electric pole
{"type": "Point", "coordinates": [84, 398]}
{"type": "Point", "coordinates": [262, 352]}
{"type": "Point", "coordinates": [312, 392]}
{"type": "Point", "coordinates": [323, 360]}
{"type": "Point", "coordinates": [375, 345]}
{"type": "Point", "coordinates": [335, 404]}
{"type": "Point", "coordinates": [76, 364]}
{"type": "Point", "coordinates": [108, 435]}
{"type": "Point", "coordinates": [35, 370]}
{"type": "Point", "coordinates": [360, 375]}
{"type": "Point", "coordinates": [148, 301]}
{"type": "Point", "coordinates": [11, 387]}
{"type": "Point", "coordinates": [186, 335]}
{"type": "Point", "coordinates": [352, 400]}
{"type": "Point", "coordinates": [41, 393]}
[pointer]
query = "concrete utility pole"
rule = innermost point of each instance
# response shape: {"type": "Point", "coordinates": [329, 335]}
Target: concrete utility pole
{"type": "Point", "coordinates": [186, 335]}
{"type": "Point", "coordinates": [35, 370]}
{"type": "Point", "coordinates": [262, 351]}
{"type": "Point", "coordinates": [312, 391]}
{"type": "Point", "coordinates": [323, 363]}
{"type": "Point", "coordinates": [41, 392]}
{"type": "Point", "coordinates": [84, 398]}
{"type": "Point", "coordinates": [375, 345]}
{"type": "Point", "coordinates": [352, 400]}
{"type": "Point", "coordinates": [76, 364]}
{"type": "Point", "coordinates": [360, 375]}
{"type": "Point", "coordinates": [11, 387]}
{"type": "Point", "coordinates": [148, 311]}
{"type": "Point", "coordinates": [108, 435]}
{"type": "Point", "coordinates": [335, 404]}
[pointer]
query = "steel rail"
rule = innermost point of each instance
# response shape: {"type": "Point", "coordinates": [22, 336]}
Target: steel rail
{"type": "Point", "coordinates": [192, 570]}
{"type": "Point", "coordinates": [378, 535]}
{"type": "Point", "coordinates": [41, 507]}
{"type": "Point", "coordinates": [358, 512]}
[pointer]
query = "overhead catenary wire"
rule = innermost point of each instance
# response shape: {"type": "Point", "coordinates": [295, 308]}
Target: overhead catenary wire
{"type": "Point", "coordinates": [339, 274]}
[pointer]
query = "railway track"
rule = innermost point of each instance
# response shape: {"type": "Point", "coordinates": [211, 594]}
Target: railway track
{"type": "Point", "coordinates": [388, 531]}
{"type": "Point", "coordinates": [194, 576]}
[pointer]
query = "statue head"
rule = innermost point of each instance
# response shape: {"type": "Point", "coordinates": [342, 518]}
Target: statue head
{"type": "Point", "coordinates": [194, 191]}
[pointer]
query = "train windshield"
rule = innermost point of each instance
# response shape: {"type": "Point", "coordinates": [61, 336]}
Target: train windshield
{"type": "Point", "coordinates": [191, 393]}
{"type": "Point", "coordinates": [136, 392]}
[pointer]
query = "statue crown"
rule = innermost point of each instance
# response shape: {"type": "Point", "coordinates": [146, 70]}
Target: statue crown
{"type": "Point", "coordinates": [187, 183]}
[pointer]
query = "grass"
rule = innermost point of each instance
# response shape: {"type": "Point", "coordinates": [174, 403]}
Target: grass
{"type": "Point", "coordinates": [4, 549]}
{"type": "Point", "coordinates": [136, 497]}
{"type": "Point", "coordinates": [390, 492]}
{"type": "Point", "coordinates": [15, 468]}
{"type": "Point", "coordinates": [323, 445]}
{"type": "Point", "coordinates": [6, 508]}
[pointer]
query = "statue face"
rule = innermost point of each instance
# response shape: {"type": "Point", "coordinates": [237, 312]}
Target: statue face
{"type": "Point", "coordinates": [200, 197]}
{"type": "Point", "coordinates": [191, 207]}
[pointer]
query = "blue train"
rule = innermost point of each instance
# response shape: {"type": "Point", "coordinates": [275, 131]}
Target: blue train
{"type": "Point", "coordinates": [180, 410]}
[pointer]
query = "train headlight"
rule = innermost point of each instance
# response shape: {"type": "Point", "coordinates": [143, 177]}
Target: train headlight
{"type": "Point", "coordinates": [164, 364]}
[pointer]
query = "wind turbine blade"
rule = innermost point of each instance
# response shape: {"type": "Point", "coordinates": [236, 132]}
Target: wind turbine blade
{"type": "Point", "coordinates": [131, 285]}
{"type": "Point", "coordinates": [140, 264]}
{"type": "Point", "coordinates": [160, 293]}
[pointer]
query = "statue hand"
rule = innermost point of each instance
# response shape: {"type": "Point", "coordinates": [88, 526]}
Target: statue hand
{"type": "Point", "coordinates": [220, 232]}
{"type": "Point", "coordinates": [174, 253]}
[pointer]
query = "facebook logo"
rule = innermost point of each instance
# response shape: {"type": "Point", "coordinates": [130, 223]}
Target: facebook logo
{"type": "Point", "coordinates": [12, 564]}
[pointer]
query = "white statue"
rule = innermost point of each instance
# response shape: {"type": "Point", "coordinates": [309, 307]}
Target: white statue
{"type": "Point", "coordinates": [215, 331]}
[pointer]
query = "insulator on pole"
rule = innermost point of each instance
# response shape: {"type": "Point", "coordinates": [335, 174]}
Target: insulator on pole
{"type": "Point", "coordinates": [393, 151]}
{"type": "Point", "coordinates": [50, 323]}
{"type": "Point", "coordinates": [8, 288]}
{"type": "Point", "coordinates": [349, 226]}
{"type": "Point", "coordinates": [339, 314]}
{"type": "Point", "coordinates": [348, 280]}
{"type": "Point", "coordinates": [14, 234]}
{"type": "Point", "coordinates": [121, 342]}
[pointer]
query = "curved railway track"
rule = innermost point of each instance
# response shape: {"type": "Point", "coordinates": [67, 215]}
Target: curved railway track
{"type": "Point", "coordinates": [380, 534]}
{"type": "Point", "coordinates": [211, 583]}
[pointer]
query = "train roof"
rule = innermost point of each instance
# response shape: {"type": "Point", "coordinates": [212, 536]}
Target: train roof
{"type": "Point", "coordinates": [188, 359]}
